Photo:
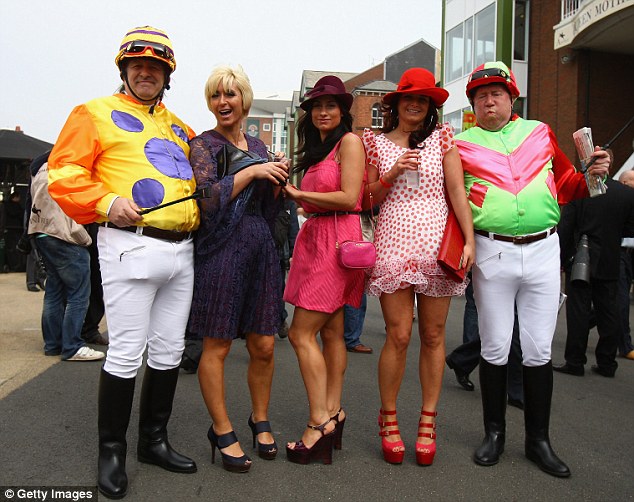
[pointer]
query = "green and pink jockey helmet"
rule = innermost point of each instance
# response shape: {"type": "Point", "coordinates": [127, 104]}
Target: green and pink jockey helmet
{"type": "Point", "coordinates": [494, 72]}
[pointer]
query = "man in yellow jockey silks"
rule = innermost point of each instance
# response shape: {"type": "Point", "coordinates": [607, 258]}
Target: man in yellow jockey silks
{"type": "Point", "coordinates": [516, 176]}
{"type": "Point", "coordinates": [115, 156]}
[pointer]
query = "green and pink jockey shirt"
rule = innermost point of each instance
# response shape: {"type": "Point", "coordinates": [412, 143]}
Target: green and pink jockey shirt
{"type": "Point", "coordinates": [516, 178]}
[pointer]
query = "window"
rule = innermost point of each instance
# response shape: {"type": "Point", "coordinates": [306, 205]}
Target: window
{"type": "Point", "coordinates": [484, 36]}
{"type": "Point", "coordinates": [377, 116]}
{"type": "Point", "coordinates": [520, 43]}
{"type": "Point", "coordinates": [455, 53]}
{"type": "Point", "coordinates": [266, 127]}
{"type": "Point", "coordinates": [470, 44]}
{"type": "Point", "coordinates": [455, 120]}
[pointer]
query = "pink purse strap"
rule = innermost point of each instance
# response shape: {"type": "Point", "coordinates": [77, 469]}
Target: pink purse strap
{"type": "Point", "coordinates": [371, 221]}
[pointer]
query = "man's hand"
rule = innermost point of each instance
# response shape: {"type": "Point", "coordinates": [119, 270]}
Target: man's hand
{"type": "Point", "coordinates": [124, 212]}
{"type": "Point", "coordinates": [601, 165]}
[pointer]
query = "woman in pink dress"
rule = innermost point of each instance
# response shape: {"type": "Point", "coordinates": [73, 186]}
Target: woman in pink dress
{"type": "Point", "coordinates": [414, 165]}
{"type": "Point", "coordinates": [333, 162]}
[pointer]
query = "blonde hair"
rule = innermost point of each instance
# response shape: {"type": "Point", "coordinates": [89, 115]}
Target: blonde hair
{"type": "Point", "coordinates": [226, 77]}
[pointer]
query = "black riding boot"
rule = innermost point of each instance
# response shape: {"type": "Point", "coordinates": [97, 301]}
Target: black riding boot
{"type": "Point", "coordinates": [157, 395]}
{"type": "Point", "coordinates": [538, 391]}
{"type": "Point", "coordinates": [493, 385]}
{"type": "Point", "coordinates": [115, 405]}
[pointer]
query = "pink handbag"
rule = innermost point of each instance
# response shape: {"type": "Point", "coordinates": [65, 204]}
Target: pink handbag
{"type": "Point", "coordinates": [355, 254]}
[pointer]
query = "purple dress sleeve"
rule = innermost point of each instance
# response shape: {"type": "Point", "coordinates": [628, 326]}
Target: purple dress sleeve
{"type": "Point", "coordinates": [219, 214]}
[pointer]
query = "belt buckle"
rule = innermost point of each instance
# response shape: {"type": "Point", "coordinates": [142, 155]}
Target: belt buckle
{"type": "Point", "coordinates": [520, 239]}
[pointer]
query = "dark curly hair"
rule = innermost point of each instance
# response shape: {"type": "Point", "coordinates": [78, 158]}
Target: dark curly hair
{"type": "Point", "coordinates": [310, 148]}
{"type": "Point", "coordinates": [390, 121]}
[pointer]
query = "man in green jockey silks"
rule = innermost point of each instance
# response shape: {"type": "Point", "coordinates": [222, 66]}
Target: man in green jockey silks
{"type": "Point", "coordinates": [516, 177]}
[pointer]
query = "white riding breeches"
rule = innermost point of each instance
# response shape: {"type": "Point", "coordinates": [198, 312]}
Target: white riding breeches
{"type": "Point", "coordinates": [526, 276]}
{"type": "Point", "coordinates": [147, 289]}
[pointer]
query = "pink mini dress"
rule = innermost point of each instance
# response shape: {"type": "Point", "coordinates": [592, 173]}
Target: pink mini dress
{"type": "Point", "coordinates": [316, 280]}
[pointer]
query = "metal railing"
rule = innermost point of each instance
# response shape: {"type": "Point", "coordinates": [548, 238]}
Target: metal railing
{"type": "Point", "coordinates": [570, 7]}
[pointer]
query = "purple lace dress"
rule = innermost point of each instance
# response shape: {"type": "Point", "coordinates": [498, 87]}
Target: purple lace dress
{"type": "Point", "coordinates": [237, 281]}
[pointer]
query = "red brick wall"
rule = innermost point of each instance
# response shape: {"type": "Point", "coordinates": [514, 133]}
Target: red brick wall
{"type": "Point", "coordinates": [593, 89]}
{"type": "Point", "coordinates": [362, 112]}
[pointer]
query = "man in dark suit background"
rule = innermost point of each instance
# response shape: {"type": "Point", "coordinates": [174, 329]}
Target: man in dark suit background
{"type": "Point", "coordinates": [605, 219]}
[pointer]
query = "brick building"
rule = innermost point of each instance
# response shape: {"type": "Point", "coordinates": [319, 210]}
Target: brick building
{"type": "Point", "coordinates": [582, 70]}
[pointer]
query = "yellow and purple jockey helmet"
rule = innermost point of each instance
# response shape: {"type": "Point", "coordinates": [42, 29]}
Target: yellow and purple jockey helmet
{"type": "Point", "coordinates": [148, 42]}
{"type": "Point", "coordinates": [494, 72]}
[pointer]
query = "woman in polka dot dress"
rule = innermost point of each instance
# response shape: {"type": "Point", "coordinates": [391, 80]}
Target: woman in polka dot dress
{"type": "Point", "coordinates": [411, 167]}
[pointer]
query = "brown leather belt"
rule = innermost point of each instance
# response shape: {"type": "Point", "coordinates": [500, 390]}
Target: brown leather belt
{"type": "Point", "coordinates": [517, 239]}
{"type": "Point", "coordinates": [155, 233]}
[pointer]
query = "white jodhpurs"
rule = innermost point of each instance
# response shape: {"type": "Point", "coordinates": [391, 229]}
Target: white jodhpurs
{"type": "Point", "coordinates": [147, 290]}
{"type": "Point", "coordinates": [527, 276]}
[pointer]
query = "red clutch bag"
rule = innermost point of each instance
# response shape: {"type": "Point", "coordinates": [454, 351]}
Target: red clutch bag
{"type": "Point", "coordinates": [451, 247]}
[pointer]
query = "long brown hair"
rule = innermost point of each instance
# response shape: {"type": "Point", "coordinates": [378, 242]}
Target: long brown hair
{"type": "Point", "coordinates": [390, 121]}
{"type": "Point", "coordinates": [310, 147]}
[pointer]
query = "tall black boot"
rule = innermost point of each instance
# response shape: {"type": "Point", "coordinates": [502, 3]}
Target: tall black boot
{"type": "Point", "coordinates": [115, 405]}
{"type": "Point", "coordinates": [157, 395]}
{"type": "Point", "coordinates": [493, 385]}
{"type": "Point", "coordinates": [538, 391]}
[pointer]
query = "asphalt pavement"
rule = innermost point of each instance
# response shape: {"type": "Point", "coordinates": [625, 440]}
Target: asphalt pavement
{"type": "Point", "coordinates": [48, 432]}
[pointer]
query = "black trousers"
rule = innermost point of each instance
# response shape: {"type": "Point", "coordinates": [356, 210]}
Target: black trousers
{"type": "Point", "coordinates": [582, 296]}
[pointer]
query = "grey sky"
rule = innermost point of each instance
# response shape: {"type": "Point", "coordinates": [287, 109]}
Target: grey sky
{"type": "Point", "coordinates": [57, 54]}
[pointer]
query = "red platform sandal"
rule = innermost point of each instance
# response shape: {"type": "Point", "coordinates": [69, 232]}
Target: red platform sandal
{"type": "Point", "coordinates": [393, 451]}
{"type": "Point", "coordinates": [425, 452]}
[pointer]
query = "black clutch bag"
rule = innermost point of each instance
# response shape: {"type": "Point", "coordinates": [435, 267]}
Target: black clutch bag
{"type": "Point", "coordinates": [231, 160]}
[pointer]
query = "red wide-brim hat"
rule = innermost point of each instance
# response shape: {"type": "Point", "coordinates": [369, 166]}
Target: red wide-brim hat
{"type": "Point", "coordinates": [418, 81]}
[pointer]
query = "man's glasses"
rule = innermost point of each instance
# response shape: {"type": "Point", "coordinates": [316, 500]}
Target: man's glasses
{"type": "Point", "coordinates": [159, 50]}
{"type": "Point", "coordinates": [490, 72]}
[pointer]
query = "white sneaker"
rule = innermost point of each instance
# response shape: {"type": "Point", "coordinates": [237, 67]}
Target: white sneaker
{"type": "Point", "coordinates": [87, 354]}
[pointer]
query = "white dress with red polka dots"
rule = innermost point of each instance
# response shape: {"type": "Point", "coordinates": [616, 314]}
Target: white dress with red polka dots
{"type": "Point", "coordinates": [411, 220]}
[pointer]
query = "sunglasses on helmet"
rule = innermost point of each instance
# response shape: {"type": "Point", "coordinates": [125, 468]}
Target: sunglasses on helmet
{"type": "Point", "coordinates": [141, 46]}
{"type": "Point", "coordinates": [490, 72]}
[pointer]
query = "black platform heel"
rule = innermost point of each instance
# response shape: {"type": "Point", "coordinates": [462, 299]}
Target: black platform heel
{"type": "Point", "coordinates": [232, 464]}
{"type": "Point", "coordinates": [321, 450]}
{"type": "Point", "coordinates": [267, 451]}
{"type": "Point", "coordinates": [339, 424]}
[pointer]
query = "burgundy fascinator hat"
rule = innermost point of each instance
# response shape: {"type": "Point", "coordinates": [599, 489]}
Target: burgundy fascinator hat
{"type": "Point", "coordinates": [418, 81]}
{"type": "Point", "coordinates": [328, 86]}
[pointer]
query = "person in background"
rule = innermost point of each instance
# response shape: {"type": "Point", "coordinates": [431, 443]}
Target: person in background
{"type": "Point", "coordinates": [354, 318]}
{"type": "Point", "coordinates": [115, 156]}
{"type": "Point", "coordinates": [626, 348]}
{"type": "Point", "coordinates": [63, 245]}
{"type": "Point", "coordinates": [35, 272]}
{"type": "Point", "coordinates": [353, 327]}
{"type": "Point", "coordinates": [333, 162]}
{"type": "Point", "coordinates": [238, 280]}
{"type": "Point", "coordinates": [90, 330]}
{"type": "Point", "coordinates": [604, 220]}
{"type": "Point", "coordinates": [516, 176]}
{"type": "Point", "coordinates": [285, 232]}
{"type": "Point", "coordinates": [13, 230]}
{"type": "Point", "coordinates": [414, 171]}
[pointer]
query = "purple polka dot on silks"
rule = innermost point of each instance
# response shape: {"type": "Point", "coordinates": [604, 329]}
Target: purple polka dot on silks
{"type": "Point", "coordinates": [178, 130]}
{"type": "Point", "coordinates": [126, 121]}
{"type": "Point", "coordinates": [168, 158]}
{"type": "Point", "coordinates": [148, 192]}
